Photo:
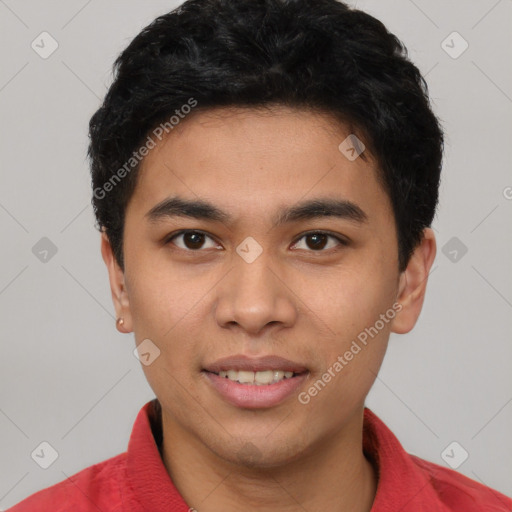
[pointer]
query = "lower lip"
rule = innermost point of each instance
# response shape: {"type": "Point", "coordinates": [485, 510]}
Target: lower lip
{"type": "Point", "coordinates": [251, 396]}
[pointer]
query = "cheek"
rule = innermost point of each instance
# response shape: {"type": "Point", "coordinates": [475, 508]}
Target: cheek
{"type": "Point", "coordinates": [352, 307]}
{"type": "Point", "coordinates": [355, 298]}
{"type": "Point", "coordinates": [169, 308]}
{"type": "Point", "coordinates": [159, 295]}
{"type": "Point", "coordinates": [352, 361]}
{"type": "Point", "coordinates": [163, 311]}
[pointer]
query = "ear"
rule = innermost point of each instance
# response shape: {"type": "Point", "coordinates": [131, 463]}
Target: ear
{"type": "Point", "coordinates": [117, 286]}
{"type": "Point", "coordinates": [413, 284]}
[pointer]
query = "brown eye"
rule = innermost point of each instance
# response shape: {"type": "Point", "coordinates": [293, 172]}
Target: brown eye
{"type": "Point", "coordinates": [318, 241]}
{"type": "Point", "coordinates": [191, 240]}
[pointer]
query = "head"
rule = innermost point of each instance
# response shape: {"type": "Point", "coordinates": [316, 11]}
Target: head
{"type": "Point", "coordinates": [294, 143]}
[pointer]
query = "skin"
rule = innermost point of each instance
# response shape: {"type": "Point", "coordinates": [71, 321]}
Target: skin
{"type": "Point", "coordinates": [199, 303]}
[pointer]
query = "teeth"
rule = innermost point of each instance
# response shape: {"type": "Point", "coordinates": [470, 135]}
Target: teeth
{"type": "Point", "coordinates": [245, 377]}
{"type": "Point", "coordinates": [265, 377]}
{"type": "Point", "coordinates": [257, 378]}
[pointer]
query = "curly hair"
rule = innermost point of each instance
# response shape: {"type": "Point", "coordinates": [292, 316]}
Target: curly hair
{"type": "Point", "coordinates": [310, 54]}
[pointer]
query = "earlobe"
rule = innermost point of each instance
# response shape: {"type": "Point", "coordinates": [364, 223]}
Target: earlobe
{"type": "Point", "coordinates": [117, 286]}
{"type": "Point", "coordinates": [413, 283]}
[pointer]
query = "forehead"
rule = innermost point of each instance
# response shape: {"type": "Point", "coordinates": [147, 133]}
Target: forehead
{"type": "Point", "coordinates": [250, 161]}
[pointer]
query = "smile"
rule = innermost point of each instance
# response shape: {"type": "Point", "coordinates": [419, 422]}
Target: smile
{"type": "Point", "coordinates": [260, 378]}
{"type": "Point", "coordinates": [244, 389]}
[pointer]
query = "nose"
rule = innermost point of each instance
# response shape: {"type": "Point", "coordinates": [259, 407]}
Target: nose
{"type": "Point", "coordinates": [255, 296]}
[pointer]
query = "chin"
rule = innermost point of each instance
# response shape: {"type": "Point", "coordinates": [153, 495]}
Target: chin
{"type": "Point", "coordinates": [260, 453]}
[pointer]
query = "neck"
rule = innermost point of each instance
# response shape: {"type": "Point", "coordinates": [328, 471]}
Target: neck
{"type": "Point", "coordinates": [334, 475]}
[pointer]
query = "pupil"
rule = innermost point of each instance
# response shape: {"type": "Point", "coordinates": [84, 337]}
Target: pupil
{"type": "Point", "coordinates": [320, 241]}
{"type": "Point", "coordinates": [193, 240]}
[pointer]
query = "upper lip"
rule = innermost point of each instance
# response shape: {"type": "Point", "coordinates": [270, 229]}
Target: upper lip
{"type": "Point", "coordinates": [254, 364]}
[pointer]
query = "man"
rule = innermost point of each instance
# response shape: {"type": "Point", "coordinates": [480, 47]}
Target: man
{"type": "Point", "coordinates": [265, 174]}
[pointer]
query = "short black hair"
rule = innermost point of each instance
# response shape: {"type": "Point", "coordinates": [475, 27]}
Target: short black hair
{"type": "Point", "coordinates": [312, 54]}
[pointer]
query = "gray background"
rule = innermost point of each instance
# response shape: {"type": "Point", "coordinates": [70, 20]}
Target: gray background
{"type": "Point", "coordinates": [69, 378]}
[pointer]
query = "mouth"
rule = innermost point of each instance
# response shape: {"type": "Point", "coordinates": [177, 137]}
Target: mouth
{"type": "Point", "coordinates": [259, 378]}
{"type": "Point", "coordinates": [255, 383]}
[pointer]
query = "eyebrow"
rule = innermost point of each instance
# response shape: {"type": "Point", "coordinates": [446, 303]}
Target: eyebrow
{"type": "Point", "coordinates": [203, 210]}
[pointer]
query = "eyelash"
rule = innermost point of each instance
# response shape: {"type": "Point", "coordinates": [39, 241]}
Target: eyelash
{"type": "Point", "coordinates": [342, 241]}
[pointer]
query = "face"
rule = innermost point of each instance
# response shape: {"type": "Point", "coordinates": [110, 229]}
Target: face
{"type": "Point", "coordinates": [288, 259]}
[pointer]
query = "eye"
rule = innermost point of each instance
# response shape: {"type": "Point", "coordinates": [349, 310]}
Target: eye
{"type": "Point", "coordinates": [318, 241]}
{"type": "Point", "coordinates": [191, 240]}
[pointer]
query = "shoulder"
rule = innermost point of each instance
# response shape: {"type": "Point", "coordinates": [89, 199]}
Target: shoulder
{"type": "Point", "coordinates": [458, 492]}
{"type": "Point", "coordinates": [93, 488]}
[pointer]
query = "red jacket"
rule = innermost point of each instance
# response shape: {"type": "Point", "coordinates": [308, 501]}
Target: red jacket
{"type": "Point", "coordinates": [137, 481]}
